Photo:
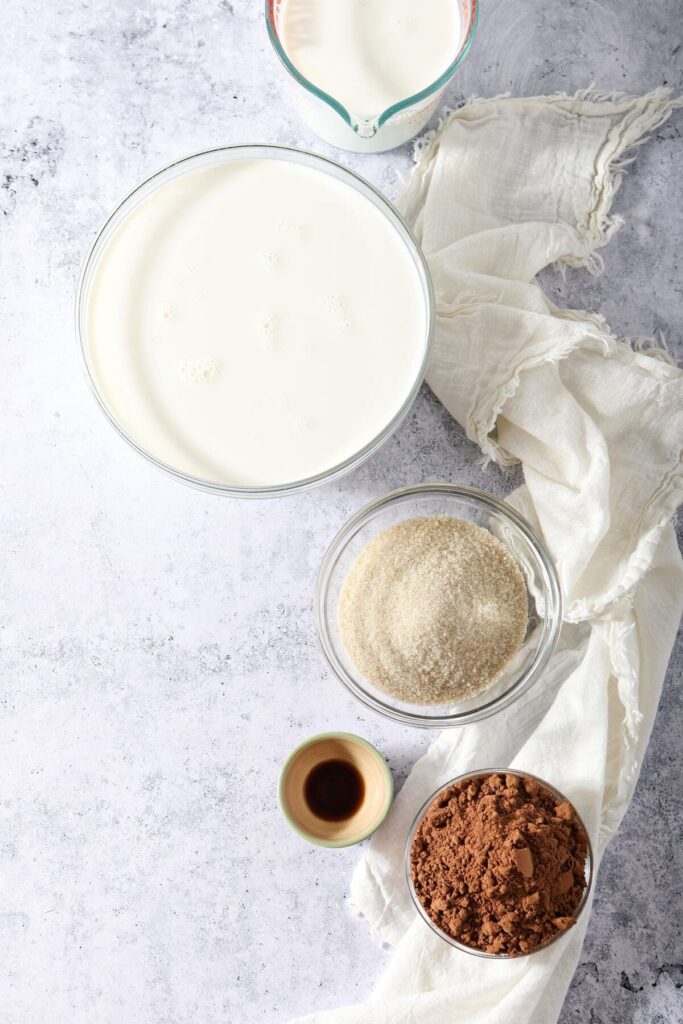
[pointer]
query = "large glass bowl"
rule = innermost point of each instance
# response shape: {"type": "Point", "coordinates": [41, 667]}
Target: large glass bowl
{"type": "Point", "coordinates": [589, 865]}
{"type": "Point", "coordinates": [482, 509]}
{"type": "Point", "coordinates": [227, 154]}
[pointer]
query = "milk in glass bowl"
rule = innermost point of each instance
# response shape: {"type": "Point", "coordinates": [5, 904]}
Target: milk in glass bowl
{"type": "Point", "coordinates": [255, 320]}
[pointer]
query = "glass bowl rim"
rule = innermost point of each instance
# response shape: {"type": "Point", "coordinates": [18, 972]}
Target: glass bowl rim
{"type": "Point", "coordinates": [395, 108]}
{"type": "Point", "coordinates": [589, 863]}
{"type": "Point", "coordinates": [217, 155]}
{"type": "Point", "coordinates": [552, 622]}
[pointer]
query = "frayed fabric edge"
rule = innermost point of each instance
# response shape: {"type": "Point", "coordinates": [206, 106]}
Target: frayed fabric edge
{"type": "Point", "coordinates": [662, 507]}
{"type": "Point", "coordinates": [656, 347]}
{"type": "Point", "coordinates": [424, 145]}
{"type": "Point", "coordinates": [481, 423]}
{"type": "Point", "coordinates": [648, 112]}
{"type": "Point", "coordinates": [622, 629]}
{"type": "Point", "coordinates": [627, 679]}
{"type": "Point", "coordinates": [627, 682]}
{"type": "Point", "coordinates": [658, 514]}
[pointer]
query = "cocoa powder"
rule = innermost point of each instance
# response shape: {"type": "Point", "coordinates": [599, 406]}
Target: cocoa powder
{"type": "Point", "coordinates": [498, 863]}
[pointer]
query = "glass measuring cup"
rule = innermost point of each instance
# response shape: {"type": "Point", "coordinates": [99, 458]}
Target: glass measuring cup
{"type": "Point", "coordinates": [364, 132]}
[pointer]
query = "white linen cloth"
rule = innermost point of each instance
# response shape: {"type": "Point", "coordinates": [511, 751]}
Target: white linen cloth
{"type": "Point", "coordinates": [503, 189]}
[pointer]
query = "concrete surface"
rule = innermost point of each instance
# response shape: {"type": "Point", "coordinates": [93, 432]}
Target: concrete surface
{"type": "Point", "coordinates": [157, 649]}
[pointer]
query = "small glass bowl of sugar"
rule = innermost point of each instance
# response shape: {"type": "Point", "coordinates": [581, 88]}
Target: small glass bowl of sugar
{"type": "Point", "coordinates": [509, 536]}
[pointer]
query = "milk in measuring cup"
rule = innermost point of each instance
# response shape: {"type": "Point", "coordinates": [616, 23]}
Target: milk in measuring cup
{"type": "Point", "coordinates": [369, 55]}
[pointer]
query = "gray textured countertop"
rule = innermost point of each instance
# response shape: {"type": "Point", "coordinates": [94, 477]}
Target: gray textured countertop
{"type": "Point", "coordinates": [157, 647]}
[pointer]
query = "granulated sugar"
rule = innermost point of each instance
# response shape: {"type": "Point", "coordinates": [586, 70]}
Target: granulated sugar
{"type": "Point", "coordinates": [432, 610]}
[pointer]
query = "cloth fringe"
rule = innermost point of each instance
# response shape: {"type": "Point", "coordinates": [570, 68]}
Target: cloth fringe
{"type": "Point", "coordinates": [655, 347]}
{"type": "Point", "coordinates": [650, 112]}
{"type": "Point", "coordinates": [482, 422]}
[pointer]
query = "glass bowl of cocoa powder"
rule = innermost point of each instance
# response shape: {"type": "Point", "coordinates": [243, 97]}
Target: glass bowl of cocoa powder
{"type": "Point", "coordinates": [437, 605]}
{"type": "Point", "coordinates": [499, 863]}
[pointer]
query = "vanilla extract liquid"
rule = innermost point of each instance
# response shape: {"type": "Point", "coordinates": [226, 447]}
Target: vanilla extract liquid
{"type": "Point", "coordinates": [334, 790]}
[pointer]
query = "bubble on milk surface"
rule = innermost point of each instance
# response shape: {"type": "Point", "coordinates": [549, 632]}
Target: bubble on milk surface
{"type": "Point", "coordinates": [267, 327]}
{"type": "Point", "coordinates": [302, 424]}
{"type": "Point", "coordinates": [200, 371]}
{"type": "Point", "coordinates": [337, 311]}
{"type": "Point", "coordinates": [292, 230]}
{"type": "Point", "coordinates": [270, 259]}
{"type": "Point", "coordinates": [407, 25]}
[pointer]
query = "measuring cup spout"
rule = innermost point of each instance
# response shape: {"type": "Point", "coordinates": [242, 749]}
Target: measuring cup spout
{"type": "Point", "coordinates": [365, 127]}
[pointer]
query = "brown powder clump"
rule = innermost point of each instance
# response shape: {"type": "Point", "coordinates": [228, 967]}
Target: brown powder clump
{"type": "Point", "coordinates": [433, 609]}
{"type": "Point", "coordinates": [498, 863]}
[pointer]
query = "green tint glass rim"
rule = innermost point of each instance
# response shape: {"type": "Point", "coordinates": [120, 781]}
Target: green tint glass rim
{"type": "Point", "coordinates": [336, 844]}
{"type": "Point", "coordinates": [552, 622]}
{"type": "Point", "coordinates": [396, 108]}
{"type": "Point", "coordinates": [560, 797]}
{"type": "Point", "coordinates": [257, 151]}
